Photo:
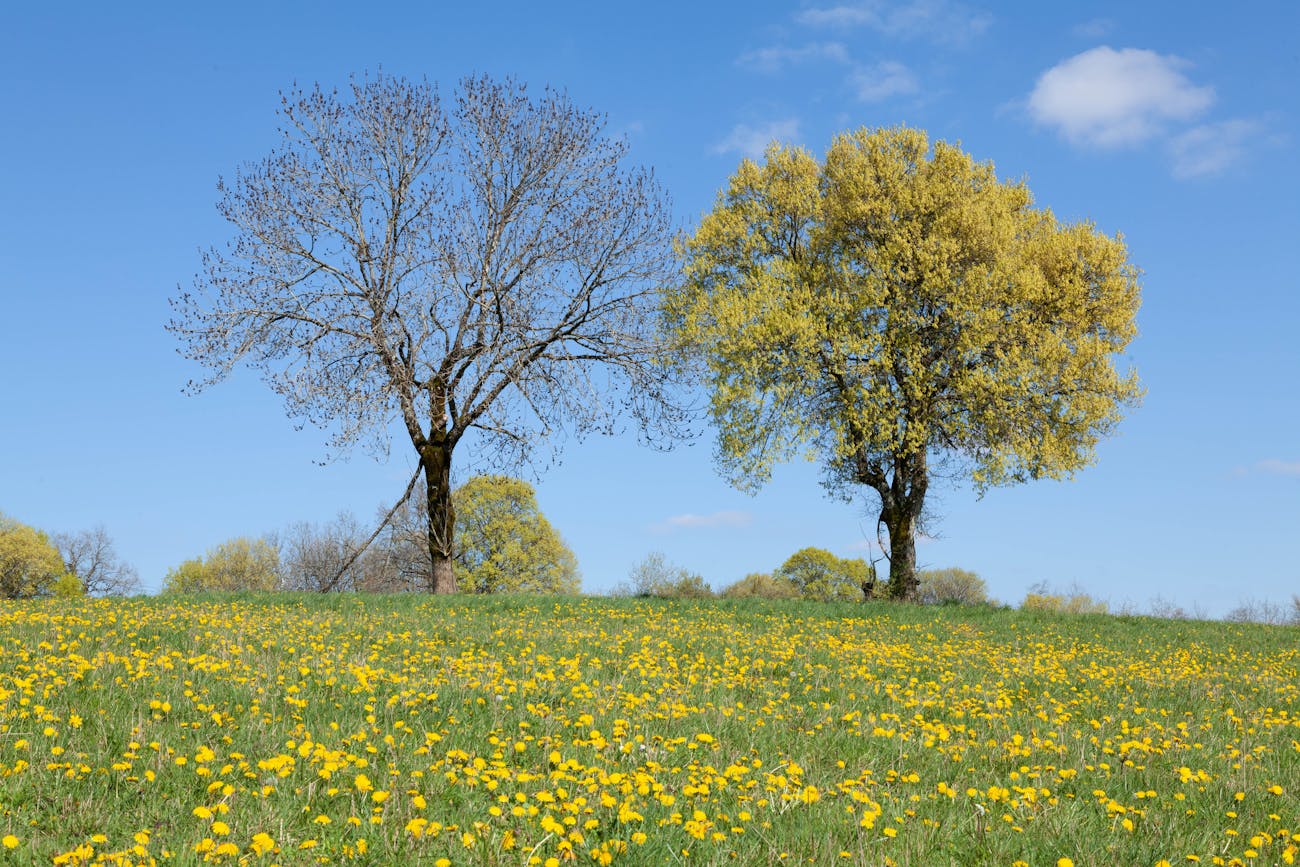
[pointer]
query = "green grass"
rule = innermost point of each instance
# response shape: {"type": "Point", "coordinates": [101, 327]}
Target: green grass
{"type": "Point", "coordinates": [518, 730]}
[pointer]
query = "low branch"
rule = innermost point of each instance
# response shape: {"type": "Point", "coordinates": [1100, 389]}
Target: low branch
{"type": "Point", "coordinates": [410, 486]}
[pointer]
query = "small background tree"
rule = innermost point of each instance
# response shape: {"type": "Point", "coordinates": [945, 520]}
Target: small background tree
{"type": "Point", "coordinates": [319, 558]}
{"type": "Point", "coordinates": [818, 574]}
{"type": "Point", "coordinates": [30, 566]}
{"type": "Point", "coordinates": [241, 564]}
{"type": "Point", "coordinates": [761, 585]}
{"type": "Point", "coordinates": [951, 587]}
{"type": "Point", "coordinates": [655, 576]}
{"type": "Point", "coordinates": [91, 556]}
{"type": "Point", "coordinates": [504, 544]}
{"type": "Point", "coordinates": [1077, 601]}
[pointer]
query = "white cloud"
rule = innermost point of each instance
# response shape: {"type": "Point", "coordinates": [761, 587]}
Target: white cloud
{"type": "Point", "coordinates": [1210, 148]}
{"type": "Point", "coordinates": [725, 518]}
{"type": "Point", "coordinates": [1109, 98]}
{"type": "Point", "coordinates": [936, 20]}
{"type": "Point", "coordinates": [776, 58]}
{"type": "Point", "coordinates": [751, 141]}
{"type": "Point", "coordinates": [883, 80]}
{"type": "Point", "coordinates": [1279, 468]}
{"type": "Point", "coordinates": [1095, 29]}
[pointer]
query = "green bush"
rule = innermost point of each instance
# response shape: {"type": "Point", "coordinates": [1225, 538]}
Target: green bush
{"type": "Point", "coordinates": [761, 585]}
{"type": "Point", "coordinates": [951, 587]}
{"type": "Point", "coordinates": [504, 544]}
{"type": "Point", "coordinates": [818, 574]}
{"type": "Point", "coordinates": [656, 577]}
{"type": "Point", "coordinates": [30, 566]}
{"type": "Point", "coordinates": [239, 564]}
{"type": "Point", "coordinates": [1077, 602]}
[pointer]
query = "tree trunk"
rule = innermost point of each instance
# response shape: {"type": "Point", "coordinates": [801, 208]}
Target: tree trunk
{"type": "Point", "coordinates": [442, 516]}
{"type": "Point", "coordinates": [901, 523]}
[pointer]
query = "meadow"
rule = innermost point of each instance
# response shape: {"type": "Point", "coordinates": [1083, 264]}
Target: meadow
{"type": "Point", "coordinates": [487, 730]}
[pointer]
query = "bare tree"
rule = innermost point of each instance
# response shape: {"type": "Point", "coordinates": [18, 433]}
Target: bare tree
{"type": "Point", "coordinates": [321, 558]}
{"type": "Point", "coordinates": [489, 267]}
{"type": "Point", "coordinates": [90, 555]}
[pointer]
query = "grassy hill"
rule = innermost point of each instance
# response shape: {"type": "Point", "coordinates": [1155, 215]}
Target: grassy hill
{"type": "Point", "coordinates": [522, 730]}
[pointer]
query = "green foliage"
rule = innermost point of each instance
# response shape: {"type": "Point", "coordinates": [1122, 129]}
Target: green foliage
{"type": "Point", "coordinates": [505, 545]}
{"type": "Point", "coordinates": [655, 576]}
{"type": "Point", "coordinates": [67, 586]}
{"type": "Point", "coordinates": [951, 587]}
{"type": "Point", "coordinates": [30, 566]}
{"type": "Point", "coordinates": [818, 574]}
{"type": "Point", "coordinates": [1076, 602]}
{"type": "Point", "coordinates": [239, 564]}
{"type": "Point", "coordinates": [761, 585]}
{"type": "Point", "coordinates": [188, 577]}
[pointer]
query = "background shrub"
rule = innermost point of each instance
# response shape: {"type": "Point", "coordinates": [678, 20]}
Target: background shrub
{"type": "Point", "coordinates": [656, 577]}
{"type": "Point", "coordinates": [761, 585]}
{"type": "Point", "coordinates": [30, 565]}
{"type": "Point", "coordinates": [951, 587]}
{"type": "Point", "coordinates": [1075, 602]}
{"type": "Point", "coordinates": [240, 564]}
{"type": "Point", "coordinates": [818, 574]}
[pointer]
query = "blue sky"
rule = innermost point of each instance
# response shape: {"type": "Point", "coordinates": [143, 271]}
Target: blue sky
{"type": "Point", "coordinates": [1172, 123]}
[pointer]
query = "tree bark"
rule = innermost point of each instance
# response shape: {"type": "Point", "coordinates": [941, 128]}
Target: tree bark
{"type": "Point", "coordinates": [901, 501]}
{"type": "Point", "coordinates": [436, 457]}
{"type": "Point", "coordinates": [901, 524]}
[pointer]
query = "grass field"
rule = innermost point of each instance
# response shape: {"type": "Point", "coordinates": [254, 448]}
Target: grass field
{"type": "Point", "coordinates": [512, 731]}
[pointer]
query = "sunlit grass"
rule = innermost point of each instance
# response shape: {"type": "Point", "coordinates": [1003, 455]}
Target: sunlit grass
{"type": "Point", "coordinates": [513, 730]}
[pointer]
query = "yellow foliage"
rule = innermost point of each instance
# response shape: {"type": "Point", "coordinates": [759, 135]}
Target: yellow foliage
{"type": "Point", "coordinates": [239, 564]}
{"type": "Point", "coordinates": [29, 565]}
{"type": "Point", "coordinates": [895, 300]}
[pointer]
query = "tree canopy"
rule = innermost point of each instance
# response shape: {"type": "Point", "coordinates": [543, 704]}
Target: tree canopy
{"type": "Point", "coordinates": [490, 266]}
{"type": "Point", "coordinates": [30, 566]}
{"type": "Point", "coordinates": [504, 544]}
{"type": "Point", "coordinates": [235, 565]}
{"type": "Point", "coordinates": [818, 574]}
{"type": "Point", "coordinates": [894, 310]}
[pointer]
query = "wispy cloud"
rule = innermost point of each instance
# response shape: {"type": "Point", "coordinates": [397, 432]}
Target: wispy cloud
{"type": "Point", "coordinates": [883, 80]}
{"type": "Point", "coordinates": [1095, 29]}
{"type": "Point", "coordinates": [751, 141]}
{"type": "Point", "coordinates": [1113, 98]}
{"type": "Point", "coordinates": [1210, 148]}
{"type": "Point", "coordinates": [778, 57]}
{"type": "Point", "coordinates": [725, 519]}
{"type": "Point", "coordinates": [934, 20]}
{"type": "Point", "coordinates": [1279, 468]}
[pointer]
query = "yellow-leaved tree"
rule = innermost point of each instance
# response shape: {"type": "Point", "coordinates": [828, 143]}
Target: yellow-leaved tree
{"type": "Point", "coordinates": [240, 564]}
{"type": "Point", "coordinates": [896, 307]}
{"type": "Point", "coordinates": [30, 566]}
{"type": "Point", "coordinates": [504, 544]}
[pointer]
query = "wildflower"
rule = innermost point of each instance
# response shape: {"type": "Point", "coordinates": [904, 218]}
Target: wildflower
{"type": "Point", "coordinates": [262, 843]}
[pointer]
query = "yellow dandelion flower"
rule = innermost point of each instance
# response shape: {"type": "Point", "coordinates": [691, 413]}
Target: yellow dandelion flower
{"type": "Point", "coordinates": [262, 843]}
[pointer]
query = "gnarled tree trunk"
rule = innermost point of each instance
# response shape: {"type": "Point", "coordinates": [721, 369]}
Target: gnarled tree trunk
{"type": "Point", "coordinates": [903, 582]}
{"type": "Point", "coordinates": [442, 515]}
